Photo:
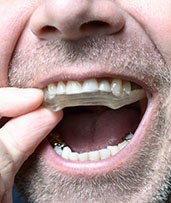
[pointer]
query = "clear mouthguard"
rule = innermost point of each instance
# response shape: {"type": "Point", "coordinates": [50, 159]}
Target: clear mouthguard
{"type": "Point", "coordinates": [60, 101]}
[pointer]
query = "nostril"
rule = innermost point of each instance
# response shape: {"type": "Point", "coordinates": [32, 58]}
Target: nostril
{"type": "Point", "coordinates": [48, 29]}
{"type": "Point", "coordinates": [91, 27]}
{"type": "Point", "coordinates": [94, 26]}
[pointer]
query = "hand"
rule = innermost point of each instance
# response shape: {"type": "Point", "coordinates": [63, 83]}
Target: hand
{"type": "Point", "coordinates": [19, 137]}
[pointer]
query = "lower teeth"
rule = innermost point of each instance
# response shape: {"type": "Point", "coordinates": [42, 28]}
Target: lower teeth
{"type": "Point", "coordinates": [66, 153]}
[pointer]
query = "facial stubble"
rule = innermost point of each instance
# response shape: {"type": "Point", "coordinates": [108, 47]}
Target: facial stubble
{"type": "Point", "coordinates": [40, 183]}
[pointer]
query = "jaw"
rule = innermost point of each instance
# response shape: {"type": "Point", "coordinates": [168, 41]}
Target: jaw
{"type": "Point", "coordinates": [129, 178]}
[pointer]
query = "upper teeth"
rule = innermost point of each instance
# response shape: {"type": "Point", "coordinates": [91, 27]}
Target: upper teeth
{"type": "Point", "coordinates": [113, 94]}
{"type": "Point", "coordinates": [117, 87]}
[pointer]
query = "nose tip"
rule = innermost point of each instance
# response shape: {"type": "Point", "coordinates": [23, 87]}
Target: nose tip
{"type": "Point", "coordinates": [74, 19]}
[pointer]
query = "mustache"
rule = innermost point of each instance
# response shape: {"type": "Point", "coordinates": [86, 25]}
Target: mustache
{"type": "Point", "coordinates": [131, 56]}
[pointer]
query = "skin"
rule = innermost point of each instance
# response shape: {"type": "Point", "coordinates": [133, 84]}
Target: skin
{"type": "Point", "coordinates": [138, 33]}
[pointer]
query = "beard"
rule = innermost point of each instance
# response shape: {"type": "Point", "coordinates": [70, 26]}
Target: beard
{"type": "Point", "coordinates": [147, 177]}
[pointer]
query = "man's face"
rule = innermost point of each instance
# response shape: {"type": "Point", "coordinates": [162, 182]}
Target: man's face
{"type": "Point", "coordinates": [46, 41]}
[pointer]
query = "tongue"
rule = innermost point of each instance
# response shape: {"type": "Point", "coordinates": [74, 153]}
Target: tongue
{"type": "Point", "coordinates": [95, 128]}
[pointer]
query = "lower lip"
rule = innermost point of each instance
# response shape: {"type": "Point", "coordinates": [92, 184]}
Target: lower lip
{"type": "Point", "coordinates": [120, 160]}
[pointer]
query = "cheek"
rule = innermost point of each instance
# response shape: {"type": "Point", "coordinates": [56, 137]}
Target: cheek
{"type": "Point", "coordinates": [14, 15]}
{"type": "Point", "coordinates": [155, 17]}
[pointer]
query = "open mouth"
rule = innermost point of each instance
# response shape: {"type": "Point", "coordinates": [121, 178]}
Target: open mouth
{"type": "Point", "coordinates": [100, 119]}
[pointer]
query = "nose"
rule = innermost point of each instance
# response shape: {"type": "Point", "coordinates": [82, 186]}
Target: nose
{"type": "Point", "coordinates": [75, 19]}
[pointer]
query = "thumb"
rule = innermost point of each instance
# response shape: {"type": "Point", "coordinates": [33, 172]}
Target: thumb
{"type": "Point", "coordinates": [23, 134]}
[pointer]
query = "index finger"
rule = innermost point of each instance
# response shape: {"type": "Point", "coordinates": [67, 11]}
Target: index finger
{"type": "Point", "coordinates": [17, 101]}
